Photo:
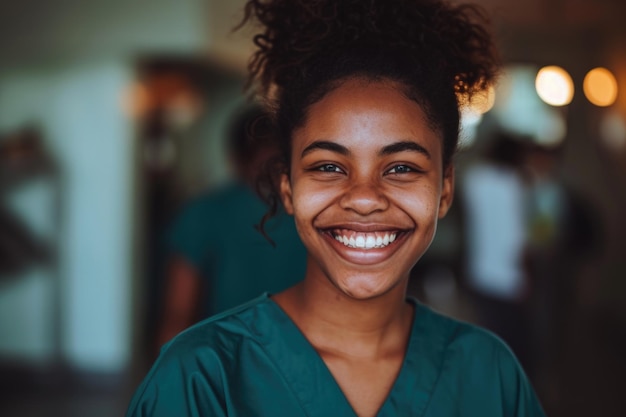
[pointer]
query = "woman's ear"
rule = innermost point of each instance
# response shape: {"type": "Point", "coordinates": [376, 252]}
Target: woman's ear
{"type": "Point", "coordinates": [285, 193]}
{"type": "Point", "coordinates": [447, 191]}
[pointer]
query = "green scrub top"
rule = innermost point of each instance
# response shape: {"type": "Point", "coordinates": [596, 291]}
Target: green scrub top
{"type": "Point", "coordinates": [254, 361]}
{"type": "Point", "coordinates": [215, 233]}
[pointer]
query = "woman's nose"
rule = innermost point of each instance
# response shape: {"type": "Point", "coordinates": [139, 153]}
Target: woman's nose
{"type": "Point", "coordinates": [364, 198]}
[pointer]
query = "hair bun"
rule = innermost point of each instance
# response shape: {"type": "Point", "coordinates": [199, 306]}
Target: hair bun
{"type": "Point", "coordinates": [298, 34]}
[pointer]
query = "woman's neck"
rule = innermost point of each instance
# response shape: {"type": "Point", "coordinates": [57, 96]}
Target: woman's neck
{"type": "Point", "coordinates": [337, 324]}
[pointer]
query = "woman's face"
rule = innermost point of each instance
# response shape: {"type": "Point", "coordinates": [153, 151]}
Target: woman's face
{"type": "Point", "coordinates": [366, 187]}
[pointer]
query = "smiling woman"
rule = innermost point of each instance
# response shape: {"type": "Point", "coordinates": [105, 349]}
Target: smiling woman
{"type": "Point", "coordinates": [365, 166]}
{"type": "Point", "coordinates": [364, 96]}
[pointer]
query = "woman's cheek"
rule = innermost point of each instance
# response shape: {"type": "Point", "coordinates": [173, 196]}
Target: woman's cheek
{"type": "Point", "coordinates": [309, 198]}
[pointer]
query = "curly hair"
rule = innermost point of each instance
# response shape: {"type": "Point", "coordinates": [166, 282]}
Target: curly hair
{"type": "Point", "coordinates": [440, 53]}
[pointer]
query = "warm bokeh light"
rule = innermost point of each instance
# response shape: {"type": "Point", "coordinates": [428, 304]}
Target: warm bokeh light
{"type": "Point", "coordinates": [555, 86]}
{"type": "Point", "coordinates": [519, 109]}
{"type": "Point", "coordinates": [600, 87]}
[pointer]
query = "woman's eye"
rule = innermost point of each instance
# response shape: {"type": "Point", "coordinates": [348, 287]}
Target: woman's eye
{"type": "Point", "coordinates": [329, 168]}
{"type": "Point", "coordinates": [400, 169]}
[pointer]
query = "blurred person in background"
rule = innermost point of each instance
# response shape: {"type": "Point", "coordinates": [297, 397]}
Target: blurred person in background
{"type": "Point", "coordinates": [564, 232]}
{"type": "Point", "coordinates": [216, 257]}
{"type": "Point", "coordinates": [494, 196]}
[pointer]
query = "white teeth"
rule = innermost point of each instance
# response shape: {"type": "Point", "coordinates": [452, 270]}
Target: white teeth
{"type": "Point", "coordinates": [366, 240]}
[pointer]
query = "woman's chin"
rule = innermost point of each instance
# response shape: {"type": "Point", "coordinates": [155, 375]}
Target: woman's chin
{"type": "Point", "coordinates": [364, 288]}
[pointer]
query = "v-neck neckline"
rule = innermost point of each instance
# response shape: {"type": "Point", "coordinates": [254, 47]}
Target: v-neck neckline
{"type": "Point", "coordinates": [319, 392]}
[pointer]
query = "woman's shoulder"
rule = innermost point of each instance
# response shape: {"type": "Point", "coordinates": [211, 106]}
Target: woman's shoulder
{"type": "Point", "coordinates": [477, 368]}
{"type": "Point", "coordinates": [208, 346]}
{"type": "Point", "coordinates": [200, 359]}
{"type": "Point", "coordinates": [461, 339]}
{"type": "Point", "coordinates": [224, 330]}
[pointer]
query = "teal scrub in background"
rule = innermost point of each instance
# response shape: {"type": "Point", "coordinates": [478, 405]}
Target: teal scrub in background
{"type": "Point", "coordinates": [253, 361]}
{"type": "Point", "coordinates": [215, 233]}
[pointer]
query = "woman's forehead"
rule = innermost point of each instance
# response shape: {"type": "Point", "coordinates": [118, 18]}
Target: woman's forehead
{"type": "Point", "coordinates": [366, 118]}
{"type": "Point", "coordinates": [355, 108]}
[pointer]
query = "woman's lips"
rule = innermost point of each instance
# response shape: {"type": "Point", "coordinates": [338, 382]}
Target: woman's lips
{"type": "Point", "coordinates": [364, 240]}
{"type": "Point", "coordinates": [365, 247]}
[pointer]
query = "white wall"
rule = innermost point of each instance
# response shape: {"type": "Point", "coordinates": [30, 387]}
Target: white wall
{"type": "Point", "coordinates": [65, 65]}
{"type": "Point", "coordinates": [97, 139]}
{"type": "Point", "coordinates": [78, 109]}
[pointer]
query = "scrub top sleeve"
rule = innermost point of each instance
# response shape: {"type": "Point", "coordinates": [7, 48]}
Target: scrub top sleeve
{"type": "Point", "coordinates": [190, 233]}
{"type": "Point", "coordinates": [173, 388]}
{"type": "Point", "coordinates": [519, 396]}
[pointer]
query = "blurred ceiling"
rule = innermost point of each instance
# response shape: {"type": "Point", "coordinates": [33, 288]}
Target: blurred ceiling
{"type": "Point", "coordinates": [528, 29]}
{"type": "Point", "coordinates": [42, 29]}
{"type": "Point", "coordinates": [558, 14]}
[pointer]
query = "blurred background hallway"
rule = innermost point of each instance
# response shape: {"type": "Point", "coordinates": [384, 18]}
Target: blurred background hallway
{"type": "Point", "coordinates": [114, 114]}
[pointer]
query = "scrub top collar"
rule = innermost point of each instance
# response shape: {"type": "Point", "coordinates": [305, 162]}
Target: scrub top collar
{"type": "Point", "coordinates": [312, 382]}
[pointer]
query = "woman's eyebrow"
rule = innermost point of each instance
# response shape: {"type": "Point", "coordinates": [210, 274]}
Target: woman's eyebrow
{"type": "Point", "coordinates": [325, 145]}
{"type": "Point", "coordinates": [402, 147]}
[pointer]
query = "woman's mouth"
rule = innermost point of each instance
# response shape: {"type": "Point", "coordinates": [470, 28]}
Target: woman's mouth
{"type": "Point", "coordinates": [364, 240]}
